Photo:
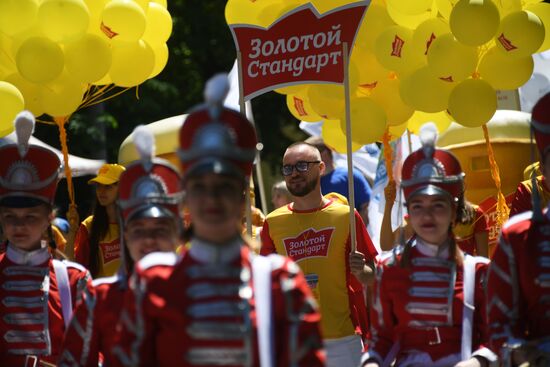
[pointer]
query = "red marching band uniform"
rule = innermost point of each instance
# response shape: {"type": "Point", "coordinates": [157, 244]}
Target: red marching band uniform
{"type": "Point", "coordinates": [428, 309]}
{"type": "Point", "coordinates": [518, 281]}
{"type": "Point", "coordinates": [146, 183]}
{"type": "Point", "coordinates": [37, 293]}
{"type": "Point", "coordinates": [219, 304]}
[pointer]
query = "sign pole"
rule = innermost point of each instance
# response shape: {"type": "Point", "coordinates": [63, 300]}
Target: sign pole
{"type": "Point", "coordinates": [248, 210]}
{"type": "Point", "coordinates": [259, 174]}
{"type": "Point", "coordinates": [351, 188]}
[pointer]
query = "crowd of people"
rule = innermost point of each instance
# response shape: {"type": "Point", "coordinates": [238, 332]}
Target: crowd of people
{"type": "Point", "coordinates": [164, 274]}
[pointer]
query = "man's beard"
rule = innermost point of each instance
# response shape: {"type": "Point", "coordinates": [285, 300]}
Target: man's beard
{"type": "Point", "coordinates": [306, 189]}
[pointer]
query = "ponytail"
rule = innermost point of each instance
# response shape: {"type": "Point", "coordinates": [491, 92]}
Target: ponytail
{"type": "Point", "coordinates": [98, 229]}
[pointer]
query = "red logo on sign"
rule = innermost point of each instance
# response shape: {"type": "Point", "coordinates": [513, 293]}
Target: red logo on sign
{"type": "Point", "coordinates": [397, 46]}
{"type": "Point", "coordinates": [299, 106]}
{"type": "Point", "coordinates": [301, 46]}
{"type": "Point", "coordinates": [110, 251]}
{"type": "Point", "coordinates": [308, 244]}
{"type": "Point", "coordinates": [506, 43]}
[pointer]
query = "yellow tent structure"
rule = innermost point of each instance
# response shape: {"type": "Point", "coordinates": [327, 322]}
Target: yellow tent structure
{"type": "Point", "coordinates": [166, 132]}
{"type": "Point", "coordinates": [509, 134]}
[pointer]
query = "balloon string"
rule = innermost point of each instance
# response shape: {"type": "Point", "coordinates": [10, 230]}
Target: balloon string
{"type": "Point", "coordinates": [388, 152]}
{"type": "Point", "coordinates": [502, 208]}
{"type": "Point", "coordinates": [61, 121]}
{"type": "Point", "coordinates": [97, 101]}
{"type": "Point", "coordinates": [46, 122]}
{"type": "Point", "coordinates": [481, 52]}
{"type": "Point", "coordinates": [96, 93]}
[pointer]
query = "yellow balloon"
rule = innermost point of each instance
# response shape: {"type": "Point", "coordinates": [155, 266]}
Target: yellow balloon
{"type": "Point", "coordinates": [88, 59]}
{"type": "Point", "coordinates": [424, 92]}
{"type": "Point", "coordinates": [62, 96]}
{"type": "Point", "coordinates": [444, 7]}
{"type": "Point", "coordinates": [504, 72]}
{"type": "Point", "coordinates": [386, 94]}
{"type": "Point", "coordinates": [271, 12]}
{"type": "Point", "coordinates": [368, 120]}
{"type": "Point", "coordinates": [30, 92]}
{"type": "Point", "coordinates": [521, 33]}
{"type": "Point", "coordinates": [133, 63]}
{"type": "Point", "coordinates": [104, 81]}
{"type": "Point", "coordinates": [396, 131]}
{"type": "Point", "coordinates": [161, 59]}
{"type": "Point", "coordinates": [123, 20]}
{"type": "Point", "coordinates": [17, 15]}
{"type": "Point", "coordinates": [164, 3]}
{"type": "Point", "coordinates": [159, 24]}
{"type": "Point", "coordinates": [426, 33]}
{"type": "Point", "coordinates": [327, 100]}
{"type": "Point", "coordinates": [375, 21]}
{"type": "Point", "coordinates": [542, 10]}
{"type": "Point", "coordinates": [411, 7]}
{"type": "Point", "coordinates": [18, 39]}
{"type": "Point", "coordinates": [325, 5]}
{"type": "Point", "coordinates": [335, 137]}
{"type": "Point", "coordinates": [370, 70]}
{"type": "Point", "coordinates": [292, 89]}
{"type": "Point", "coordinates": [474, 22]}
{"type": "Point", "coordinates": [300, 108]}
{"type": "Point", "coordinates": [63, 20]}
{"type": "Point", "coordinates": [241, 12]}
{"type": "Point", "coordinates": [12, 103]}
{"type": "Point", "coordinates": [472, 102]}
{"type": "Point", "coordinates": [143, 3]}
{"type": "Point", "coordinates": [40, 60]}
{"type": "Point", "coordinates": [393, 50]}
{"type": "Point", "coordinates": [7, 58]}
{"type": "Point", "coordinates": [261, 13]}
{"type": "Point", "coordinates": [442, 121]}
{"type": "Point", "coordinates": [506, 7]}
{"type": "Point", "coordinates": [450, 59]}
{"type": "Point", "coordinates": [410, 20]}
{"type": "Point", "coordinates": [95, 9]}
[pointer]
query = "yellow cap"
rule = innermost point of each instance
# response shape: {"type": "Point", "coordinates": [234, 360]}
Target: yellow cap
{"type": "Point", "coordinates": [108, 174]}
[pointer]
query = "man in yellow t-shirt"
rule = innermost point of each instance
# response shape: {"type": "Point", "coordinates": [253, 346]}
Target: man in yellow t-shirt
{"type": "Point", "coordinates": [314, 231]}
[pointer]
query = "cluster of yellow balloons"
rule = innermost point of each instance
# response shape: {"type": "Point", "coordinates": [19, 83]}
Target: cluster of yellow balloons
{"type": "Point", "coordinates": [418, 61]}
{"type": "Point", "coordinates": [52, 51]}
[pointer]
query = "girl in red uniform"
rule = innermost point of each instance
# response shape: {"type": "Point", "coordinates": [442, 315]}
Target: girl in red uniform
{"type": "Point", "coordinates": [429, 303]}
{"type": "Point", "coordinates": [218, 304]}
{"type": "Point", "coordinates": [149, 199]}
{"type": "Point", "coordinates": [37, 293]}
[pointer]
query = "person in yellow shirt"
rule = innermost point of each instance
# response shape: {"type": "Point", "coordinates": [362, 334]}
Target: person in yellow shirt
{"type": "Point", "coordinates": [314, 231]}
{"type": "Point", "coordinates": [97, 244]}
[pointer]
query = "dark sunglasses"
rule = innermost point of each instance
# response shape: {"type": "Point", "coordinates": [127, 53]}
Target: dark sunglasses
{"type": "Point", "coordinates": [301, 166]}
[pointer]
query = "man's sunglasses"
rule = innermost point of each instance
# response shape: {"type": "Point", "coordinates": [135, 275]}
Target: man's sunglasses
{"type": "Point", "coordinates": [301, 166]}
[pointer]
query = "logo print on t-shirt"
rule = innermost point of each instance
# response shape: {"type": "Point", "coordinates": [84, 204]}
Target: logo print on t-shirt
{"type": "Point", "coordinates": [310, 243]}
{"type": "Point", "coordinates": [111, 251]}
